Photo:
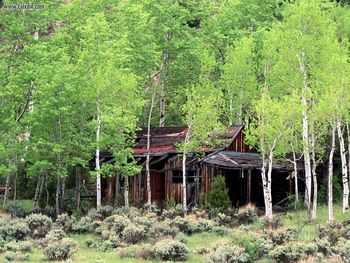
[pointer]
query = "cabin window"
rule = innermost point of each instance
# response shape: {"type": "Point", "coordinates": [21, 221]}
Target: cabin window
{"type": "Point", "coordinates": [177, 176]}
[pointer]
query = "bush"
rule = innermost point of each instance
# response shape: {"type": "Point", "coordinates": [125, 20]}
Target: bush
{"type": "Point", "coordinates": [101, 213]}
{"type": "Point", "coordinates": [65, 222]}
{"type": "Point", "coordinates": [164, 228]}
{"type": "Point", "coordinates": [170, 250]}
{"type": "Point", "coordinates": [273, 223]}
{"type": "Point", "coordinates": [116, 223]}
{"type": "Point", "coordinates": [84, 225]}
{"type": "Point", "coordinates": [173, 212]}
{"type": "Point", "coordinates": [226, 253]}
{"type": "Point", "coordinates": [105, 245]}
{"type": "Point", "coordinates": [281, 236]}
{"type": "Point", "coordinates": [60, 250]}
{"type": "Point", "coordinates": [332, 232]}
{"type": "Point", "coordinates": [23, 247]}
{"type": "Point", "coordinates": [55, 235]}
{"type": "Point", "coordinates": [141, 251]}
{"type": "Point", "coordinates": [39, 224]}
{"type": "Point", "coordinates": [201, 225]}
{"type": "Point", "coordinates": [247, 214]}
{"type": "Point", "coordinates": [292, 252]}
{"type": "Point", "coordinates": [182, 223]}
{"type": "Point", "coordinates": [133, 234]}
{"type": "Point", "coordinates": [343, 249]}
{"type": "Point", "coordinates": [220, 230]}
{"type": "Point", "coordinates": [324, 247]}
{"type": "Point", "coordinates": [15, 231]}
{"type": "Point", "coordinates": [217, 198]}
{"type": "Point", "coordinates": [11, 256]}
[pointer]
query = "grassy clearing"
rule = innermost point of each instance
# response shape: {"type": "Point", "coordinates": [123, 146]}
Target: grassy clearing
{"type": "Point", "coordinates": [198, 241]}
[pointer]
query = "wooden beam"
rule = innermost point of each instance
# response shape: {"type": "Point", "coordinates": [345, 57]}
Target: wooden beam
{"type": "Point", "coordinates": [249, 186]}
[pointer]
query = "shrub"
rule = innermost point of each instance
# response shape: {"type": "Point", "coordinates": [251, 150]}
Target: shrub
{"type": "Point", "coordinates": [217, 198]}
{"type": "Point", "coordinates": [201, 225]}
{"type": "Point", "coordinates": [55, 235]}
{"type": "Point", "coordinates": [65, 222]}
{"type": "Point", "coordinates": [220, 230]}
{"type": "Point", "coordinates": [273, 223]}
{"type": "Point", "coordinates": [332, 232]}
{"type": "Point", "coordinates": [141, 251]}
{"type": "Point", "coordinates": [247, 214]}
{"type": "Point", "coordinates": [173, 212]}
{"type": "Point", "coordinates": [23, 247]}
{"type": "Point", "coordinates": [171, 250]}
{"type": "Point", "coordinates": [84, 225]}
{"type": "Point", "coordinates": [116, 223]}
{"type": "Point", "coordinates": [164, 228]}
{"type": "Point", "coordinates": [15, 231]}
{"type": "Point", "coordinates": [324, 247]}
{"type": "Point", "coordinates": [343, 249]}
{"type": "Point", "coordinates": [104, 245]}
{"type": "Point", "coordinates": [60, 250]}
{"type": "Point", "coordinates": [39, 224]}
{"type": "Point", "coordinates": [11, 256]}
{"type": "Point", "coordinates": [133, 234]}
{"type": "Point", "coordinates": [291, 252]}
{"type": "Point", "coordinates": [226, 253]}
{"type": "Point", "coordinates": [101, 213]}
{"type": "Point", "coordinates": [281, 236]}
{"type": "Point", "coordinates": [182, 223]}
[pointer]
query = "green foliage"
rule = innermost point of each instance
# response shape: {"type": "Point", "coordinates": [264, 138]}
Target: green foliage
{"type": "Point", "coordinates": [217, 198]}
{"type": "Point", "coordinates": [60, 250]}
{"type": "Point", "coordinates": [38, 224]}
{"type": "Point", "coordinates": [227, 253]}
{"type": "Point", "coordinates": [337, 190]}
{"type": "Point", "coordinates": [133, 234]}
{"type": "Point", "coordinates": [14, 231]}
{"type": "Point", "coordinates": [247, 214]}
{"type": "Point", "coordinates": [291, 252]}
{"type": "Point", "coordinates": [170, 250]}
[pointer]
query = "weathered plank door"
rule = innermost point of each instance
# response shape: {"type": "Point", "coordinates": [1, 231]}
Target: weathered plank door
{"type": "Point", "coordinates": [157, 186]}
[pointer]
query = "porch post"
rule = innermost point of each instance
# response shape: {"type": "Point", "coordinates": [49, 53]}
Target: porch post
{"type": "Point", "coordinates": [249, 186]}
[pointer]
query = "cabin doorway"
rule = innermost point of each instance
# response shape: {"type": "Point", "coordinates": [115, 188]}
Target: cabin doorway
{"type": "Point", "coordinates": [157, 186]}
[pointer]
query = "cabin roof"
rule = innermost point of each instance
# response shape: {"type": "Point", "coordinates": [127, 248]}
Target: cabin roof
{"type": "Point", "coordinates": [242, 160]}
{"type": "Point", "coordinates": [165, 139]}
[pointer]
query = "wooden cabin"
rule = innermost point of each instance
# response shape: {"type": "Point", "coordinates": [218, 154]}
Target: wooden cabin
{"type": "Point", "coordinates": [232, 159]}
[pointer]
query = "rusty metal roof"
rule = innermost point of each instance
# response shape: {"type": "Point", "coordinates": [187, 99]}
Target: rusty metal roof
{"type": "Point", "coordinates": [165, 139]}
{"type": "Point", "coordinates": [242, 160]}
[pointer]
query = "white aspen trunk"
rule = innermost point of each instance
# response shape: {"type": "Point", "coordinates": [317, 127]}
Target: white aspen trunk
{"type": "Point", "coordinates": [296, 190]}
{"type": "Point", "coordinates": [78, 172]}
{"type": "Point", "coordinates": [230, 118]}
{"type": "Point", "coordinates": [330, 178]}
{"type": "Point", "coordinates": [148, 174]}
{"type": "Point", "coordinates": [37, 189]}
{"type": "Point", "coordinates": [344, 168]}
{"type": "Point", "coordinates": [184, 188]}
{"type": "Point", "coordinates": [348, 133]}
{"type": "Point", "coordinates": [57, 199]}
{"type": "Point", "coordinates": [97, 155]}
{"type": "Point", "coordinates": [306, 148]}
{"type": "Point", "coordinates": [163, 91]}
{"type": "Point", "coordinates": [240, 107]}
{"type": "Point", "coordinates": [314, 177]}
{"type": "Point", "coordinates": [7, 191]}
{"type": "Point", "coordinates": [126, 191]}
{"type": "Point", "coordinates": [269, 190]}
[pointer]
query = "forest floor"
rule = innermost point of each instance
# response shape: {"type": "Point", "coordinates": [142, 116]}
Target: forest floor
{"type": "Point", "coordinates": [198, 241]}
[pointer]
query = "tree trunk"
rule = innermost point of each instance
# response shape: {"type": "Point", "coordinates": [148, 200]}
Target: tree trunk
{"type": "Point", "coordinates": [78, 172]}
{"type": "Point", "coordinates": [37, 189]}
{"type": "Point", "coordinates": [330, 178]}
{"type": "Point", "coordinates": [306, 148]}
{"type": "Point", "coordinates": [62, 191]}
{"type": "Point", "coordinates": [344, 168]}
{"type": "Point", "coordinates": [314, 177]}
{"type": "Point", "coordinates": [296, 190]}
{"type": "Point", "coordinates": [126, 191]}
{"type": "Point", "coordinates": [184, 188]}
{"type": "Point", "coordinates": [7, 191]}
{"type": "Point", "coordinates": [348, 133]}
{"type": "Point", "coordinates": [57, 203]}
{"type": "Point", "coordinates": [148, 175]}
{"type": "Point", "coordinates": [15, 188]}
{"type": "Point", "coordinates": [97, 155]}
{"type": "Point", "coordinates": [230, 94]}
{"type": "Point", "coordinates": [266, 187]}
{"type": "Point", "coordinates": [117, 188]}
{"type": "Point", "coordinates": [163, 91]}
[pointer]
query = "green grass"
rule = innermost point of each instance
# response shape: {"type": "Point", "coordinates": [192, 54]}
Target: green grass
{"type": "Point", "coordinates": [25, 205]}
{"type": "Point", "coordinates": [197, 241]}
